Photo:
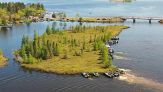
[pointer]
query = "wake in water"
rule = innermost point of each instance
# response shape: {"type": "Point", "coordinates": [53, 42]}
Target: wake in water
{"type": "Point", "coordinates": [120, 56]}
{"type": "Point", "coordinates": [132, 78]}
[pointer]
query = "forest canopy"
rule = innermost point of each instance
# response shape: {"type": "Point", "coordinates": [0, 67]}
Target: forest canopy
{"type": "Point", "coordinates": [19, 12]}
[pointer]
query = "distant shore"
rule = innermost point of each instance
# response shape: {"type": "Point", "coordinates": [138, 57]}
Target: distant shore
{"type": "Point", "coordinates": [94, 19]}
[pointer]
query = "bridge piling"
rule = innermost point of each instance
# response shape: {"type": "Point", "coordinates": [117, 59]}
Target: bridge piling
{"type": "Point", "coordinates": [150, 21]}
{"type": "Point", "coordinates": [134, 20]}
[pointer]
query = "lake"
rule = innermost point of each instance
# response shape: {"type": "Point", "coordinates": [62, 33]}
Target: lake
{"type": "Point", "coordinates": [140, 49]}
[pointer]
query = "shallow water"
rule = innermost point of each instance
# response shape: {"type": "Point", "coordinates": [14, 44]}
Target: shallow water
{"type": "Point", "coordinates": [141, 44]}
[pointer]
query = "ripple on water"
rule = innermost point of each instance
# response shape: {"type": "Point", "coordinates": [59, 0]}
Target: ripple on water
{"type": "Point", "coordinates": [120, 56]}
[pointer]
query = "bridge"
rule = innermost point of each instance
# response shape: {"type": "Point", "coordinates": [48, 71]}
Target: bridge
{"type": "Point", "coordinates": [133, 18]}
{"type": "Point", "coordinates": [141, 18]}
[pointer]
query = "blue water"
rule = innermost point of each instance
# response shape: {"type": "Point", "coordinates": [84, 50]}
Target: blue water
{"type": "Point", "coordinates": [142, 43]}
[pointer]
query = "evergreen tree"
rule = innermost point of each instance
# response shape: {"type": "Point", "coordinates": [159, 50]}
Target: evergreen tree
{"type": "Point", "coordinates": [30, 59]}
{"type": "Point", "coordinates": [95, 46]}
{"type": "Point", "coordinates": [50, 49]}
{"type": "Point", "coordinates": [56, 50]}
{"type": "Point", "coordinates": [105, 57]}
{"type": "Point", "coordinates": [35, 35]}
{"type": "Point", "coordinates": [22, 52]}
{"type": "Point", "coordinates": [25, 59]}
{"type": "Point", "coordinates": [48, 30]}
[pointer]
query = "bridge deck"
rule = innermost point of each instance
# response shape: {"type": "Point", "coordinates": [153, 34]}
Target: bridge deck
{"type": "Point", "coordinates": [133, 17]}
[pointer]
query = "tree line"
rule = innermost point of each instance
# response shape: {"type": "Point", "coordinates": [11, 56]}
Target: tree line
{"type": "Point", "coordinates": [14, 12]}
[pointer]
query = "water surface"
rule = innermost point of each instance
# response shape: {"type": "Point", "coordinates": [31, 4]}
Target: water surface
{"type": "Point", "coordinates": [141, 44]}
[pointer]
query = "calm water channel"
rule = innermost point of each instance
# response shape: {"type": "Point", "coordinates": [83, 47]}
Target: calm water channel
{"type": "Point", "coordinates": [140, 49]}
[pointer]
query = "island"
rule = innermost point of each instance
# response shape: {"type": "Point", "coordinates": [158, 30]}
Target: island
{"type": "Point", "coordinates": [95, 19]}
{"type": "Point", "coordinates": [3, 60]}
{"type": "Point", "coordinates": [121, 0]}
{"type": "Point", "coordinates": [71, 51]}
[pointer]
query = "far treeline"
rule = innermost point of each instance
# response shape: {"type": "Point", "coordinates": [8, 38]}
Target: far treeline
{"type": "Point", "coordinates": [19, 12]}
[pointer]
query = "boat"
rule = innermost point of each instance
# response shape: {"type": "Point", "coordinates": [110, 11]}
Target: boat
{"type": "Point", "coordinates": [115, 41]}
{"type": "Point", "coordinates": [111, 50]}
{"type": "Point", "coordinates": [107, 45]}
{"type": "Point", "coordinates": [115, 38]}
{"type": "Point", "coordinates": [109, 75]}
{"type": "Point", "coordinates": [96, 74]}
{"type": "Point", "coordinates": [109, 42]}
{"type": "Point", "coordinates": [85, 75]}
{"type": "Point", "coordinates": [116, 74]}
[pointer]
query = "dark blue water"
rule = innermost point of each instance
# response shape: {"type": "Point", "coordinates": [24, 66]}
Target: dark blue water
{"type": "Point", "coordinates": [142, 45]}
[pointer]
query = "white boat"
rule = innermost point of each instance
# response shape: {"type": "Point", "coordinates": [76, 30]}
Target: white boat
{"type": "Point", "coordinates": [96, 74]}
{"type": "Point", "coordinates": [107, 45]}
{"type": "Point", "coordinates": [85, 75]}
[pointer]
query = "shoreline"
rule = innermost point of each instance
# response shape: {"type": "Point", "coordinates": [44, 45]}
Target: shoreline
{"type": "Point", "coordinates": [61, 66]}
{"type": "Point", "coordinates": [94, 19]}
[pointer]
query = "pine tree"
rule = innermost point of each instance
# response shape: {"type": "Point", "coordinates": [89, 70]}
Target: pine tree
{"type": "Point", "coordinates": [43, 53]}
{"type": "Point", "coordinates": [50, 49]}
{"type": "Point", "coordinates": [35, 35]}
{"type": "Point", "coordinates": [44, 39]}
{"type": "Point", "coordinates": [95, 46]}
{"type": "Point", "coordinates": [56, 51]}
{"type": "Point", "coordinates": [35, 48]}
{"type": "Point", "coordinates": [105, 57]}
{"type": "Point", "coordinates": [23, 40]}
{"type": "Point", "coordinates": [84, 45]}
{"type": "Point", "coordinates": [30, 59]}
{"type": "Point", "coordinates": [31, 49]}
{"type": "Point", "coordinates": [25, 58]}
{"type": "Point", "coordinates": [22, 52]}
{"type": "Point", "coordinates": [48, 30]}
